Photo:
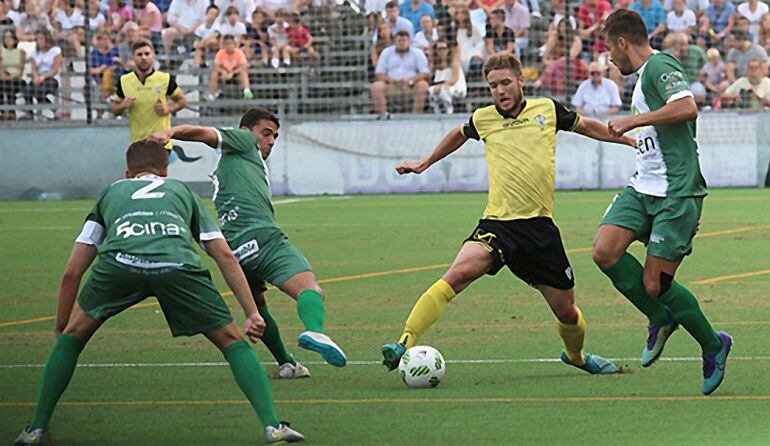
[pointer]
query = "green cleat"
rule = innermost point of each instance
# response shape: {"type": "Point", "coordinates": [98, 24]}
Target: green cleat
{"type": "Point", "coordinates": [391, 354]}
{"type": "Point", "coordinates": [593, 364]}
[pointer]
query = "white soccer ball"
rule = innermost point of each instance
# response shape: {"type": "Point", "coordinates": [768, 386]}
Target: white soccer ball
{"type": "Point", "coordinates": [422, 367]}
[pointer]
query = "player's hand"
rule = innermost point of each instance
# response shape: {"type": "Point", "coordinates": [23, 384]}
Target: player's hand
{"type": "Point", "coordinates": [629, 141]}
{"type": "Point", "coordinates": [410, 167]}
{"type": "Point", "coordinates": [37, 80]}
{"type": "Point", "coordinates": [617, 127]}
{"type": "Point", "coordinates": [162, 137]}
{"type": "Point", "coordinates": [161, 109]}
{"type": "Point", "coordinates": [128, 102]}
{"type": "Point", "coordinates": [254, 327]}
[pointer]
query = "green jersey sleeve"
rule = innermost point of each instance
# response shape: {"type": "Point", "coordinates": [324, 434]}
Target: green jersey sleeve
{"type": "Point", "coordinates": [94, 228]}
{"type": "Point", "coordinates": [664, 77]}
{"type": "Point", "coordinates": [203, 227]}
{"type": "Point", "coordinates": [234, 141]}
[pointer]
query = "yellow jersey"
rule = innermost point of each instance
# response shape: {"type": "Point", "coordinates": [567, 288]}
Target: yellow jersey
{"type": "Point", "coordinates": [143, 121]}
{"type": "Point", "coordinates": [521, 156]}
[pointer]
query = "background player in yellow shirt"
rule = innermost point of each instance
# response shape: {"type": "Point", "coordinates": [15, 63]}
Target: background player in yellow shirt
{"type": "Point", "coordinates": [516, 229]}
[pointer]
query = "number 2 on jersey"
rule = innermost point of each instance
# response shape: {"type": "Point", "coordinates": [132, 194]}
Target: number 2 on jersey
{"type": "Point", "coordinates": [147, 191]}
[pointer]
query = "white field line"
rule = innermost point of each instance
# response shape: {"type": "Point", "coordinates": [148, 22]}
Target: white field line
{"type": "Point", "coordinates": [455, 361]}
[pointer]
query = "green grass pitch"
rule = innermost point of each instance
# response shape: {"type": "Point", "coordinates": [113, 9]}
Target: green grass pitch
{"type": "Point", "coordinates": [376, 254]}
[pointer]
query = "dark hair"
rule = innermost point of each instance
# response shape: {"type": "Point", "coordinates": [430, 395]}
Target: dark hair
{"type": "Point", "coordinates": [391, 5]}
{"type": "Point", "coordinates": [499, 13]}
{"type": "Point", "coordinates": [501, 61]}
{"type": "Point", "coordinates": [402, 33]}
{"type": "Point", "coordinates": [214, 7]}
{"type": "Point", "coordinates": [256, 114]}
{"type": "Point", "coordinates": [625, 23]}
{"type": "Point", "coordinates": [146, 155]}
{"type": "Point", "coordinates": [47, 36]}
{"type": "Point", "coordinates": [228, 37]}
{"type": "Point", "coordinates": [434, 52]}
{"type": "Point", "coordinates": [13, 36]}
{"type": "Point", "coordinates": [740, 35]}
{"type": "Point", "coordinates": [231, 10]}
{"type": "Point", "coordinates": [141, 43]}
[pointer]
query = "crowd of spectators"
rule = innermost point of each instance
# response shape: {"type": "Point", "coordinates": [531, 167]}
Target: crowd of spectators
{"type": "Point", "coordinates": [425, 54]}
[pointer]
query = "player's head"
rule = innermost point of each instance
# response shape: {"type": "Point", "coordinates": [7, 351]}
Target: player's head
{"type": "Point", "coordinates": [144, 55]}
{"type": "Point", "coordinates": [264, 125]}
{"type": "Point", "coordinates": [502, 72]}
{"type": "Point", "coordinates": [625, 35]}
{"type": "Point", "coordinates": [146, 156]}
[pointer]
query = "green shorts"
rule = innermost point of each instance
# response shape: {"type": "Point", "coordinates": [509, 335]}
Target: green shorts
{"type": "Point", "coordinates": [187, 297]}
{"type": "Point", "coordinates": [267, 255]}
{"type": "Point", "coordinates": [666, 225]}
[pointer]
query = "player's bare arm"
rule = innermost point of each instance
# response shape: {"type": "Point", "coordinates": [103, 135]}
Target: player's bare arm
{"type": "Point", "coordinates": [451, 142]}
{"type": "Point", "coordinates": [80, 259]}
{"type": "Point", "coordinates": [254, 326]}
{"type": "Point", "coordinates": [206, 135]}
{"type": "Point", "coordinates": [597, 130]}
{"type": "Point", "coordinates": [680, 110]}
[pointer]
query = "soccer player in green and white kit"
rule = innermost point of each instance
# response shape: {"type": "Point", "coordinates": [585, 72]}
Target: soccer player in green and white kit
{"type": "Point", "coordinates": [662, 205]}
{"type": "Point", "coordinates": [242, 199]}
{"type": "Point", "coordinates": [146, 229]}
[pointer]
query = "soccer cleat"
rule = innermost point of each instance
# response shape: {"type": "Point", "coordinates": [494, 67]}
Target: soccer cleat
{"type": "Point", "coordinates": [714, 365]}
{"type": "Point", "coordinates": [320, 343]}
{"type": "Point", "coordinates": [593, 364]}
{"type": "Point", "coordinates": [283, 434]}
{"type": "Point", "coordinates": [292, 371]}
{"type": "Point", "coordinates": [28, 438]}
{"type": "Point", "coordinates": [656, 340]}
{"type": "Point", "coordinates": [391, 354]}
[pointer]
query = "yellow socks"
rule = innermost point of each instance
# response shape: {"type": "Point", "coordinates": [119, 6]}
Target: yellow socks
{"type": "Point", "coordinates": [573, 336]}
{"type": "Point", "coordinates": [427, 311]}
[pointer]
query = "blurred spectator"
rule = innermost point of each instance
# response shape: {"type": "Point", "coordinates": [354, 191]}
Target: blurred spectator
{"type": "Point", "coordinates": [104, 57]}
{"type": "Point", "coordinates": [12, 60]}
{"type": "Point", "coordinates": [118, 14]}
{"type": "Point", "coordinates": [184, 17]}
{"type": "Point", "coordinates": [597, 96]}
{"type": "Point", "coordinates": [713, 75]}
{"type": "Point", "coordinates": [554, 79]}
{"type": "Point", "coordinates": [149, 19]}
{"type": "Point", "coordinates": [46, 70]}
{"type": "Point", "coordinates": [30, 21]}
{"type": "Point", "coordinates": [590, 17]}
{"type": "Point", "coordinates": [499, 38]}
{"type": "Point", "coordinates": [517, 19]}
{"type": "Point", "coordinates": [763, 36]}
{"type": "Point", "coordinates": [654, 19]}
{"type": "Point", "coordinates": [300, 39]}
{"type": "Point", "coordinates": [401, 71]}
{"type": "Point", "coordinates": [427, 36]}
{"type": "Point", "coordinates": [95, 17]}
{"type": "Point", "coordinates": [625, 4]}
{"type": "Point", "coordinates": [12, 10]}
{"type": "Point", "coordinates": [243, 7]}
{"type": "Point", "coordinates": [279, 39]}
{"type": "Point", "coordinates": [258, 42]}
{"type": "Point", "coordinates": [755, 87]}
{"type": "Point", "coordinates": [232, 25]}
{"type": "Point", "coordinates": [556, 44]}
{"type": "Point", "coordinates": [413, 10]}
{"type": "Point", "coordinates": [207, 36]}
{"type": "Point", "coordinates": [129, 36]}
{"type": "Point", "coordinates": [470, 43]}
{"type": "Point", "coordinates": [697, 6]}
{"type": "Point", "coordinates": [270, 7]}
{"type": "Point", "coordinates": [230, 64]}
{"type": "Point", "coordinates": [374, 10]}
{"type": "Point", "coordinates": [443, 19]}
{"type": "Point", "coordinates": [68, 28]}
{"type": "Point", "coordinates": [396, 22]}
{"type": "Point", "coordinates": [477, 13]}
{"type": "Point", "coordinates": [720, 18]}
{"type": "Point", "coordinates": [692, 58]}
{"type": "Point", "coordinates": [559, 9]}
{"type": "Point", "coordinates": [448, 78]}
{"type": "Point", "coordinates": [384, 40]}
{"type": "Point", "coordinates": [6, 21]}
{"type": "Point", "coordinates": [681, 18]}
{"type": "Point", "coordinates": [753, 10]}
{"type": "Point", "coordinates": [739, 56]}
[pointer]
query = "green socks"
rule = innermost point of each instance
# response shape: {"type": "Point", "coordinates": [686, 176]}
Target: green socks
{"type": "Point", "coordinates": [251, 378]}
{"type": "Point", "coordinates": [272, 338]}
{"type": "Point", "coordinates": [310, 306]}
{"type": "Point", "coordinates": [627, 275]}
{"type": "Point", "coordinates": [687, 312]}
{"type": "Point", "coordinates": [56, 376]}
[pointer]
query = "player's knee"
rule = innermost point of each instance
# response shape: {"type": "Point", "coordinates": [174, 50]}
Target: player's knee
{"type": "Point", "coordinates": [460, 276]}
{"type": "Point", "coordinates": [603, 256]}
{"type": "Point", "coordinates": [652, 285]}
{"type": "Point", "coordinates": [566, 314]}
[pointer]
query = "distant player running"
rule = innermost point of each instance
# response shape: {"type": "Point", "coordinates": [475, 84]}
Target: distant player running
{"type": "Point", "coordinates": [146, 229]}
{"type": "Point", "coordinates": [517, 229]}
{"type": "Point", "coordinates": [242, 199]}
{"type": "Point", "coordinates": [663, 202]}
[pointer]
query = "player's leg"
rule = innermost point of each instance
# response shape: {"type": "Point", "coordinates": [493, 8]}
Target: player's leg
{"type": "Point", "coordinates": [473, 261]}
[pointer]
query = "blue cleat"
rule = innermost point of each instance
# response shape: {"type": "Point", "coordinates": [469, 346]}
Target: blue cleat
{"type": "Point", "coordinates": [320, 343]}
{"type": "Point", "coordinates": [593, 364]}
{"type": "Point", "coordinates": [714, 365]}
{"type": "Point", "coordinates": [656, 340]}
{"type": "Point", "coordinates": [391, 354]}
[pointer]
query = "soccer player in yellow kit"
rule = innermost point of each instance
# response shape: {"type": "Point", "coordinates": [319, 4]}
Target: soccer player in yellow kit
{"type": "Point", "coordinates": [516, 229]}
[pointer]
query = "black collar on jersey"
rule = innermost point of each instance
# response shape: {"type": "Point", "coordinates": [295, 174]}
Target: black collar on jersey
{"type": "Point", "coordinates": [146, 77]}
{"type": "Point", "coordinates": [509, 115]}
